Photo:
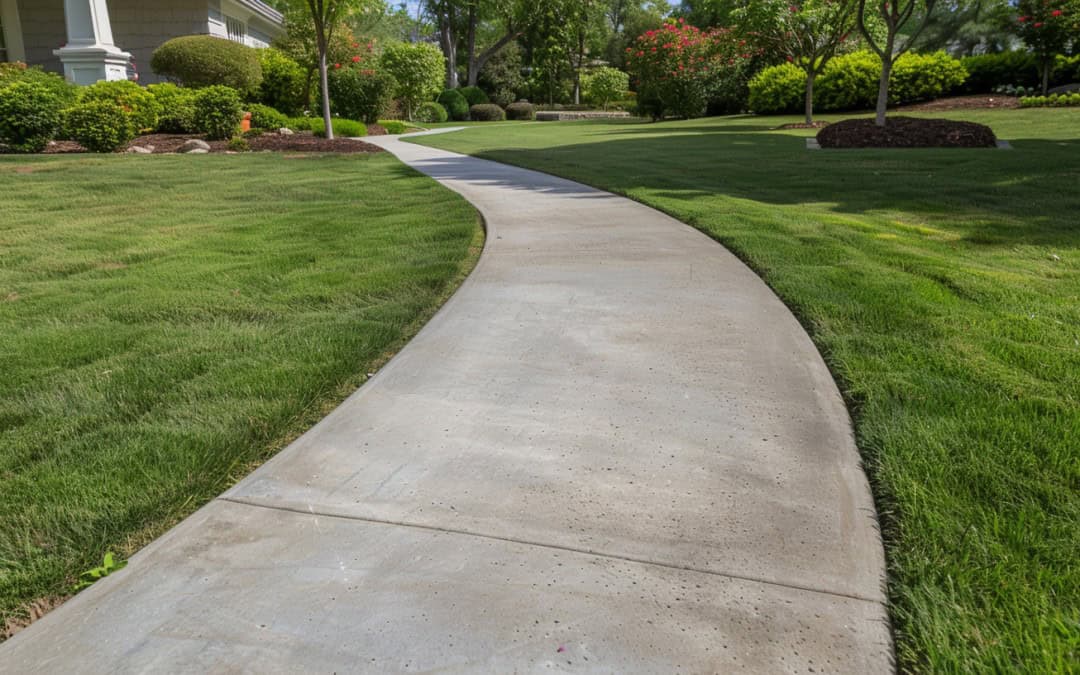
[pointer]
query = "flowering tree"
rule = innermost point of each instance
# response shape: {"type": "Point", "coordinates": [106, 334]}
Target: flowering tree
{"type": "Point", "coordinates": [898, 17]}
{"type": "Point", "coordinates": [1047, 27]}
{"type": "Point", "coordinates": [678, 66]}
{"type": "Point", "coordinates": [808, 33]}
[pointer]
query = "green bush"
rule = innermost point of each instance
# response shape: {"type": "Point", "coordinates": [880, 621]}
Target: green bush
{"type": "Point", "coordinates": [394, 127]}
{"type": "Point", "coordinates": [300, 123]}
{"type": "Point", "coordinates": [265, 117]}
{"type": "Point", "coordinates": [922, 77]}
{"type": "Point", "coordinates": [1053, 100]}
{"type": "Point", "coordinates": [218, 112]}
{"type": "Point", "coordinates": [139, 103]}
{"type": "Point", "coordinates": [100, 125]}
{"type": "Point", "coordinates": [283, 82]}
{"type": "Point", "coordinates": [177, 108]}
{"type": "Point", "coordinates": [343, 128]}
{"type": "Point", "coordinates": [849, 82]}
{"type": "Point", "coordinates": [360, 93]}
{"type": "Point", "coordinates": [521, 111]}
{"type": "Point", "coordinates": [986, 72]}
{"type": "Point", "coordinates": [418, 68]}
{"type": "Point", "coordinates": [474, 95]}
{"type": "Point", "coordinates": [431, 113]}
{"type": "Point", "coordinates": [604, 85]}
{"type": "Point", "coordinates": [204, 61]}
{"type": "Point", "coordinates": [65, 91]}
{"type": "Point", "coordinates": [487, 112]}
{"type": "Point", "coordinates": [777, 90]}
{"type": "Point", "coordinates": [238, 144]}
{"type": "Point", "coordinates": [456, 105]}
{"type": "Point", "coordinates": [30, 115]}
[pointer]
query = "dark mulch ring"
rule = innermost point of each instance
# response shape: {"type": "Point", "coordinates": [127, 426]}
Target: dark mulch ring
{"type": "Point", "coordinates": [981, 102]}
{"type": "Point", "coordinates": [906, 132]}
{"type": "Point", "coordinates": [267, 142]}
{"type": "Point", "coordinates": [804, 125]}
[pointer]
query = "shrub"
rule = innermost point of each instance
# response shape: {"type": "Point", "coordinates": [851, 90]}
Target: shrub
{"type": "Point", "coordinates": [238, 144]}
{"type": "Point", "coordinates": [204, 61]}
{"type": "Point", "coordinates": [418, 68]}
{"type": "Point", "coordinates": [921, 77]}
{"type": "Point", "coordinates": [360, 93]}
{"type": "Point", "coordinates": [431, 113]}
{"type": "Point", "coordinates": [300, 123]}
{"type": "Point", "coordinates": [779, 89]}
{"type": "Point", "coordinates": [394, 127]}
{"type": "Point", "coordinates": [487, 112]}
{"type": "Point", "coordinates": [265, 117]}
{"type": "Point", "coordinates": [474, 95]}
{"type": "Point", "coordinates": [177, 107]}
{"type": "Point", "coordinates": [456, 105]}
{"type": "Point", "coordinates": [283, 82]}
{"type": "Point", "coordinates": [604, 85]}
{"type": "Point", "coordinates": [986, 72]}
{"type": "Point", "coordinates": [521, 110]}
{"type": "Point", "coordinates": [1053, 100]}
{"type": "Point", "coordinates": [65, 91]}
{"type": "Point", "coordinates": [29, 116]}
{"type": "Point", "coordinates": [100, 125]}
{"type": "Point", "coordinates": [344, 128]}
{"type": "Point", "coordinates": [139, 103]}
{"type": "Point", "coordinates": [849, 81]}
{"type": "Point", "coordinates": [218, 112]}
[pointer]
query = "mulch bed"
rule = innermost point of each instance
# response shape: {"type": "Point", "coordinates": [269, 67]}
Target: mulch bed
{"type": "Point", "coordinates": [906, 132]}
{"type": "Point", "coordinates": [981, 102]}
{"type": "Point", "coordinates": [267, 142]}
{"type": "Point", "coordinates": [804, 125]}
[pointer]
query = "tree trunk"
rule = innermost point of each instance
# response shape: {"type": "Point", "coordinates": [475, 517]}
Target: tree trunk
{"type": "Point", "coordinates": [883, 90]}
{"type": "Point", "coordinates": [448, 44]}
{"type": "Point", "coordinates": [810, 97]}
{"type": "Point", "coordinates": [325, 81]}
{"type": "Point", "coordinates": [1046, 67]}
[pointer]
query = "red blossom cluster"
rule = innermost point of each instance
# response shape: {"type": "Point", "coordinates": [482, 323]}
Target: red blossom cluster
{"type": "Point", "coordinates": [366, 53]}
{"type": "Point", "coordinates": [679, 49]}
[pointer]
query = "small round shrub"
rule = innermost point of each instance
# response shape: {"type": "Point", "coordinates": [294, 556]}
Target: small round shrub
{"type": "Point", "coordinates": [218, 112]}
{"type": "Point", "coordinates": [139, 103]}
{"type": "Point", "coordinates": [177, 108]}
{"type": "Point", "coordinates": [204, 61]}
{"type": "Point", "coordinates": [431, 113]}
{"type": "Point", "coordinates": [30, 115]}
{"type": "Point", "coordinates": [65, 91]}
{"type": "Point", "coordinates": [604, 85]}
{"type": "Point", "coordinates": [393, 127]}
{"type": "Point", "coordinates": [361, 93]}
{"type": "Point", "coordinates": [299, 123]}
{"type": "Point", "coordinates": [474, 95]}
{"type": "Point", "coordinates": [343, 128]}
{"type": "Point", "coordinates": [100, 125]}
{"type": "Point", "coordinates": [238, 144]}
{"type": "Point", "coordinates": [778, 89]}
{"type": "Point", "coordinates": [487, 112]}
{"type": "Point", "coordinates": [521, 110]}
{"type": "Point", "coordinates": [265, 117]}
{"type": "Point", "coordinates": [849, 82]}
{"type": "Point", "coordinates": [283, 80]}
{"type": "Point", "coordinates": [456, 105]}
{"type": "Point", "coordinates": [922, 77]}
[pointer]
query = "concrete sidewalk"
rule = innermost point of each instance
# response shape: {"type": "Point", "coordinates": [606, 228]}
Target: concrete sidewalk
{"type": "Point", "coordinates": [613, 450]}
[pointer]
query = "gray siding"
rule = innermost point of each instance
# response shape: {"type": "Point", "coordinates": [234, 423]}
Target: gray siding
{"type": "Point", "coordinates": [140, 27]}
{"type": "Point", "coordinates": [43, 31]}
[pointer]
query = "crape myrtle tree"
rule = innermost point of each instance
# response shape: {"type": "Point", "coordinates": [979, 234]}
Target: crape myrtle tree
{"type": "Point", "coordinates": [1048, 27]}
{"type": "Point", "coordinates": [901, 23]}
{"type": "Point", "coordinates": [808, 33]}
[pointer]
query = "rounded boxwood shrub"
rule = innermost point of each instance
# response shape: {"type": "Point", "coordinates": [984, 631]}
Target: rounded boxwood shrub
{"type": "Point", "coordinates": [778, 89]}
{"type": "Point", "coordinates": [343, 128]}
{"type": "Point", "coordinates": [921, 77]}
{"type": "Point", "coordinates": [431, 113]}
{"type": "Point", "coordinates": [177, 108]}
{"type": "Point", "coordinates": [30, 115]}
{"type": "Point", "coordinates": [456, 105]}
{"type": "Point", "coordinates": [522, 110]}
{"type": "Point", "coordinates": [474, 95]}
{"type": "Point", "coordinates": [604, 85]}
{"type": "Point", "coordinates": [300, 123]}
{"type": "Point", "coordinates": [218, 112]}
{"type": "Point", "coordinates": [487, 112]}
{"type": "Point", "coordinates": [100, 125]}
{"type": "Point", "coordinates": [265, 117]}
{"type": "Point", "coordinates": [360, 93]}
{"type": "Point", "coordinates": [283, 82]}
{"type": "Point", "coordinates": [394, 127]}
{"type": "Point", "coordinates": [204, 61]}
{"type": "Point", "coordinates": [11, 73]}
{"type": "Point", "coordinates": [139, 103]}
{"type": "Point", "coordinates": [849, 82]}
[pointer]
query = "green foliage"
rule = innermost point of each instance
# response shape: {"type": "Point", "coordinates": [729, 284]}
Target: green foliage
{"type": "Point", "coordinates": [431, 113]}
{"type": "Point", "coordinates": [203, 61]}
{"type": "Point", "coordinates": [238, 144]}
{"type": "Point", "coordinates": [487, 112]}
{"type": "Point", "coordinates": [604, 85]}
{"type": "Point", "coordinates": [456, 105]}
{"type": "Point", "coordinates": [218, 112]}
{"type": "Point", "coordinates": [778, 89]}
{"type": "Point", "coordinates": [107, 567]}
{"type": "Point", "coordinates": [921, 77]}
{"type": "Point", "coordinates": [139, 103]}
{"type": "Point", "coordinates": [474, 95]}
{"type": "Point", "coordinates": [849, 82]}
{"type": "Point", "coordinates": [394, 127]}
{"type": "Point", "coordinates": [345, 128]}
{"type": "Point", "coordinates": [300, 123]}
{"type": "Point", "coordinates": [986, 72]}
{"type": "Point", "coordinates": [418, 68]}
{"type": "Point", "coordinates": [63, 90]}
{"type": "Point", "coordinates": [502, 75]}
{"type": "Point", "coordinates": [100, 125]}
{"type": "Point", "coordinates": [1053, 100]}
{"type": "Point", "coordinates": [265, 117]}
{"type": "Point", "coordinates": [521, 111]}
{"type": "Point", "coordinates": [283, 82]}
{"type": "Point", "coordinates": [30, 114]}
{"type": "Point", "coordinates": [177, 108]}
{"type": "Point", "coordinates": [361, 93]}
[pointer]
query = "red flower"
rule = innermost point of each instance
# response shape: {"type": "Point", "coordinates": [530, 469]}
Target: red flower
{"type": "Point", "coordinates": [337, 65]}
{"type": "Point", "coordinates": [1021, 19]}
{"type": "Point", "coordinates": [356, 59]}
{"type": "Point", "coordinates": [355, 45]}
{"type": "Point", "coordinates": [1056, 12]}
{"type": "Point", "coordinates": [1038, 24]}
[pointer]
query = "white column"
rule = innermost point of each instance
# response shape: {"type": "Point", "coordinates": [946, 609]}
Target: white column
{"type": "Point", "coordinates": [90, 55]}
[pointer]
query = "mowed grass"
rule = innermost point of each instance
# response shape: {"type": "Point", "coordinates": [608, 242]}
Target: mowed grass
{"type": "Point", "coordinates": [943, 288]}
{"type": "Point", "coordinates": [168, 322]}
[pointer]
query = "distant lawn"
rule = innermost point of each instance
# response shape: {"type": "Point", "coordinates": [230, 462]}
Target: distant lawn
{"type": "Point", "coordinates": [943, 288]}
{"type": "Point", "coordinates": [166, 323]}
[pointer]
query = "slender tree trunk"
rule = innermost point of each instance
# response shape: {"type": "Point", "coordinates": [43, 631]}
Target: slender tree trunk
{"type": "Point", "coordinates": [448, 44]}
{"type": "Point", "coordinates": [1046, 66]}
{"type": "Point", "coordinates": [810, 97]}
{"type": "Point", "coordinates": [324, 80]}
{"type": "Point", "coordinates": [470, 46]}
{"type": "Point", "coordinates": [883, 90]}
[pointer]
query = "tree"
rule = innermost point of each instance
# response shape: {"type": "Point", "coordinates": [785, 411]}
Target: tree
{"type": "Point", "coordinates": [418, 69]}
{"type": "Point", "coordinates": [808, 33]}
{"type": "Point", "coordinates": [462, 25]}
{"type": "Point", "coordinates": [901, 28]}
{"type": "Point", "coordinates": [604, 85]}
{"type": "Point", "coordinates": [1047, 27]}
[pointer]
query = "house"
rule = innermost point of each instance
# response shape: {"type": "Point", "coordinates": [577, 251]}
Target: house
{"type": "Point", "coordinates": [91, 40]}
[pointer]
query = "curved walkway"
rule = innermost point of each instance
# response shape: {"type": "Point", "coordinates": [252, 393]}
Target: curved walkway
{"type": "Point", "coordinates": [613, 450]}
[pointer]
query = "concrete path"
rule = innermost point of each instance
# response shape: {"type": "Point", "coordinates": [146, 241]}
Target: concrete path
{"type": "Point", "coordinates": [614, 450]}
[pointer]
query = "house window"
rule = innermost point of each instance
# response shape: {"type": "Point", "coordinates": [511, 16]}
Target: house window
{"type": "Point", "coordinates": [235, 29]}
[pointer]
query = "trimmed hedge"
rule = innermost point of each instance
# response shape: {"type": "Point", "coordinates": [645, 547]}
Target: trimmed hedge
{"type": "Point", "coordinates": [778, 89]}
{"type": "Point", "coordinates": [65, 91]}
{"type": "Point", "coordinates": [922, 77]}
{"type": "Point", "coordinates": [522, 110]}
{"type": "Point", "coordinates": [474, 95]}
{"type": "Point", "coordinates": [456, 105]}
{"type": "Point", "coordinates": [1053, 100]}
{"type": "Point", "coordinates": [361, 94]}
{"type": "Point", "coordinates": [139, 103]}
{"type": "Point", "coordinates": [204, 61]}
{"type": "Point", "coordinates": [218, 112]}
{"type": "Point", "coordinates": [177, 108]}
{"type": "Point", "coordinates": [487, 112]}
{"type": "Point", "coordinates": [265, 117]}
{"type": "Point", "coordinates": [100, 125]}
{"type": "Point", "coordinates": [849, 82]}
{"type": "Point", "coordinates": [343, 128]}
{"type": "Point", "coordinates": [30, 115]}
{"type": "Point", "coordinates": [431, 113]}
{"type": "Point", "coordinates": [283, 81]}
{"type": "Point", "coordinates": [394, 127]}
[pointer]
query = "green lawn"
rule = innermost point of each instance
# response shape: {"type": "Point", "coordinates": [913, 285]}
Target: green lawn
{"type": "Point", "coordinates": [943, 288]}
{"type": "Point", "coordinates": [166, 323]}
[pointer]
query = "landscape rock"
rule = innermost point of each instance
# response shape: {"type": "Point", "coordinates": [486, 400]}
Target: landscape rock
{"type": "Point", "coordinates": [195, 144]}
{"type": "Point", "coordinates": [197, 151]}
{"type": "Point", "coordinates": [139, 150]}
{"type": "Point", "coordinates": [285, 131]}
